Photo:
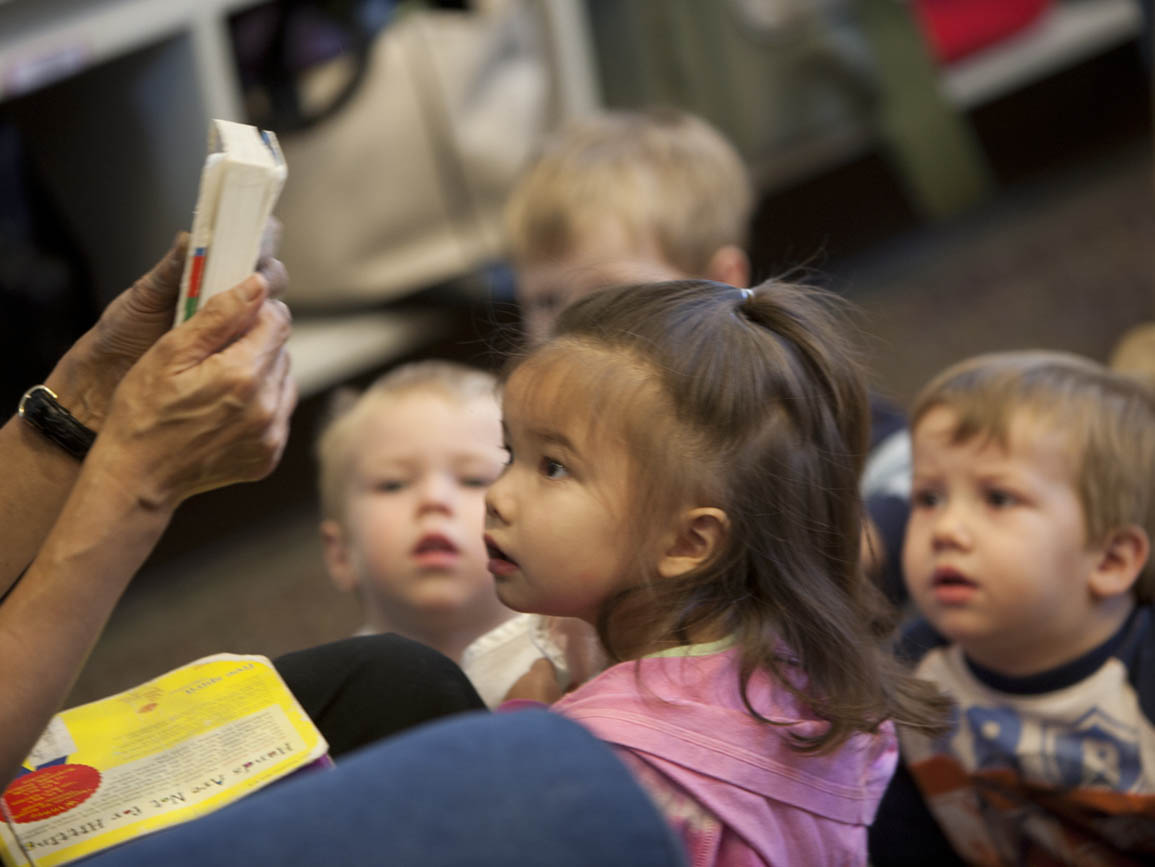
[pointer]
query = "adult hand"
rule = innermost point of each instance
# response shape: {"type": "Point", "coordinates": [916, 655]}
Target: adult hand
{"type": "Point", "coordinates": [584, 658]}
{"type": "Point", "coordinates": [208, 405]}
{"type": "Point", "coordinates": [578, 641]}
{"type": "Point", "coordinates": [540, 683]}
{"type": "Point", "coordinates": [90, 372]}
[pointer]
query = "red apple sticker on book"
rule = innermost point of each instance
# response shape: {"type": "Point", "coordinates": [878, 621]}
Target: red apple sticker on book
{"type": "Point", "coordinates": [50, 791]}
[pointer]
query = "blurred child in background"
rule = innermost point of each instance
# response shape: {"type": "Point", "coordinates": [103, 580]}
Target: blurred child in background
{"type": "Point", "coordinates": [403, 475]}
{"type": "Point", "coordinates": [1134, 353]}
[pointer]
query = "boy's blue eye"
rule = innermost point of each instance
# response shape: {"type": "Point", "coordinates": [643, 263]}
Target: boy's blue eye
{"type": "Point", "coordinates": [389, 486]}
{"type": "Point", "coordinates": [552, 469]}
{"type": "Point", "coordinates": [476, 481]}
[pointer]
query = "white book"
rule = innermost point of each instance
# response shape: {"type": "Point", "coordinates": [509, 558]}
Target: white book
{"type": "Point", "coordinates": [239, 186]}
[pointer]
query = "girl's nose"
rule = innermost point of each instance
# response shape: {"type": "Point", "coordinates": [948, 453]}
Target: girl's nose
{"type": "Point", "coordinates": [497, 505]}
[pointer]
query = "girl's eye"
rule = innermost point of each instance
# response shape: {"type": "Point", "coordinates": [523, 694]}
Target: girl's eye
{"type": "Point", "coordinates": [508, 454]}
{"type": "Point", "coordinates": [552, 469]}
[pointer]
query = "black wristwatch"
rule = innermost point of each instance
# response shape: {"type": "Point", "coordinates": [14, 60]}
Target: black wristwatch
{"type": "Point", "coordinates": [41, 409]}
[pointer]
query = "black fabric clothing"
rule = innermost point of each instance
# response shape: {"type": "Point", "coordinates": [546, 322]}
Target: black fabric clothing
{"type": "Point", "coordinates": [890, 515]}
{"type": "Point", "coordinates": [359, 690]}
{"type": "Point", "coordinates": [885, 419]}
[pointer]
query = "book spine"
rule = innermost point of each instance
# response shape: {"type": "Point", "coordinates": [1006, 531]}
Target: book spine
{"type": "Point", "coordinates": [194, 283]}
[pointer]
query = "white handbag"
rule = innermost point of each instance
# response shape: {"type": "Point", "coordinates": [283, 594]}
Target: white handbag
{"type": "Point", "coordinates": [403, 186]}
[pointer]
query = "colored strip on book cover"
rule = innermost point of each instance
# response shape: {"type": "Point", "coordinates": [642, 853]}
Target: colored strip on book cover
{"type": "Point", "coordinates": [194, 282]}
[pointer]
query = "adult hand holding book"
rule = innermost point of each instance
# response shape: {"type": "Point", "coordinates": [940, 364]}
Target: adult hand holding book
{"type": "Point", "coordinates": [136, 319]}
{"type": "Point", "coordinates": [208, 405]}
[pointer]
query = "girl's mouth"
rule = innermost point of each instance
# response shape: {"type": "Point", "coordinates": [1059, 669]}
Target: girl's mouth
{"type": "Point", "coordinates": [500, 564]}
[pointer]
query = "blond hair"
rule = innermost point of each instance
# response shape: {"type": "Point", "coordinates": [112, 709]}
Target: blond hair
{"type": "Point", "coordinates": [665, 176]}
{"type": "Point", "coordinates": [337, 443]}
{"type": "Point", "coordinates": [1134, 354]}
{"type": "Point", "coordinates": [1107, 419]}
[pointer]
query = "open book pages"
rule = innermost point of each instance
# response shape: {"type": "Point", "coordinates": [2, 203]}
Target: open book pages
{"type": "Point", "coordinates": [175, 748]}
{"type": "Point", "coordinates": [241, 180]}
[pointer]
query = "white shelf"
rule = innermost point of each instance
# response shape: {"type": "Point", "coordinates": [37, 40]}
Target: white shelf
{"type": "Point", "coordinates": [43, 41]}
{"type": "Point", "coordinates": [327, 350]}
{"type": "Point", "coordinates": [113, 99]}
{"type": "Point", "coordinates": [1070, 32]}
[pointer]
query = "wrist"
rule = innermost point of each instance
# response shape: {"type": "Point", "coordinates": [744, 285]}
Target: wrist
{"type": "Point", "coordinates": [130, 475]}
{"type": "Point", "coordinates": [83, 385]}
{"type": "Point", "coordinates": [102, 520]}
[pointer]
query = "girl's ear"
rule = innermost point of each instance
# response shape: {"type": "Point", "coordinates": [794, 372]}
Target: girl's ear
{"type": "Point", "coordinates": [1121, 559]}
{"type": "Point", "coordinates": [337, 559]}
{"type": "Point", "coordinates": [696, 536]}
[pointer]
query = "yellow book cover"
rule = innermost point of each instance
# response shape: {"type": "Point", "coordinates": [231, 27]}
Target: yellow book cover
{"type": "Point", "coordinates": [175, 748]}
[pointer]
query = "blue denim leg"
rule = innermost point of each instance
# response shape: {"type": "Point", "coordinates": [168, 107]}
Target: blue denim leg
{"type": "Point", "coordinates": [482, 790]}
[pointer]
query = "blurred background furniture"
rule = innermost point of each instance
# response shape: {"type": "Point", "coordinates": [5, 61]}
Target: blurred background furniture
{"type": "Point", "coordinates": [1041, 238]}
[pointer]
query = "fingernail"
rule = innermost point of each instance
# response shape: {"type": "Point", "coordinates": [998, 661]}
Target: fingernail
{"type": "Point", "coordinates": [254, 287]}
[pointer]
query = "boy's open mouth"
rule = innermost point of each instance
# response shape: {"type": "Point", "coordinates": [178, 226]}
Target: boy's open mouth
{"type": "Point", "coordinates": [945, 577]}
{"type": "Point", "coordinates": [952, 588]}
{"type": "Point", "coordinates": [434, 543]}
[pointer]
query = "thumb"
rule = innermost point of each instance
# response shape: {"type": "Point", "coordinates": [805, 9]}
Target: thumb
{"type": "Point", "coordinates": [223, 319]}
{"type": "Point", "coordinates": [160, 286]}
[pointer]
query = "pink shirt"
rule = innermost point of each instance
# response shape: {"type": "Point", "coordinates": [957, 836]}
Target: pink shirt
{"type": "Point", "coordinates": [732, 786]}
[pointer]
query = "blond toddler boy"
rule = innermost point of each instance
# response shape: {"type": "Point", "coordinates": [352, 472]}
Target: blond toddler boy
{"type": "Point", "coordinates": [621, 197]}
{"type": "Point", "coordinates": [403, 475]}
{"type": "Point", "coordinates": [1027, 553]}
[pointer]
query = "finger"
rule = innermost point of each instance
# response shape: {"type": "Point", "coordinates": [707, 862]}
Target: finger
{"type": "Point", "coordinates": [257, 349]}
{"type": "Point", "coordinates": [222, 320]}
{"type": "Point", "coordinates": [160, 287]}
{"type": "Point", "coordinates": [270, 239]}
{"type": "Point", "coordinates": [284, 400]}
{"type": "Point", "coordinates": [273, 381]}
{"type": "Point", "coordinates": [539, 683]}
{"type": "Point", "coordinates": [273, 270]}
{"type": "Point", "coordinates": [286, 404]}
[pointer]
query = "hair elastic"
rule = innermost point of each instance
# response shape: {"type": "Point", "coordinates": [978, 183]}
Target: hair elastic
{"type": "Point", "coordinates": [747, 294]}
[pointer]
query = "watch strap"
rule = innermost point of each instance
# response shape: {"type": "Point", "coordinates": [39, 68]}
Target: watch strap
{"type": "Point", "coordinates": [41, 408]}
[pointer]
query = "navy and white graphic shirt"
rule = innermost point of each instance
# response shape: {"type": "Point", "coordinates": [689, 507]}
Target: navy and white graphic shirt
{"type": "Point", "coordinates": [1054, 768]}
